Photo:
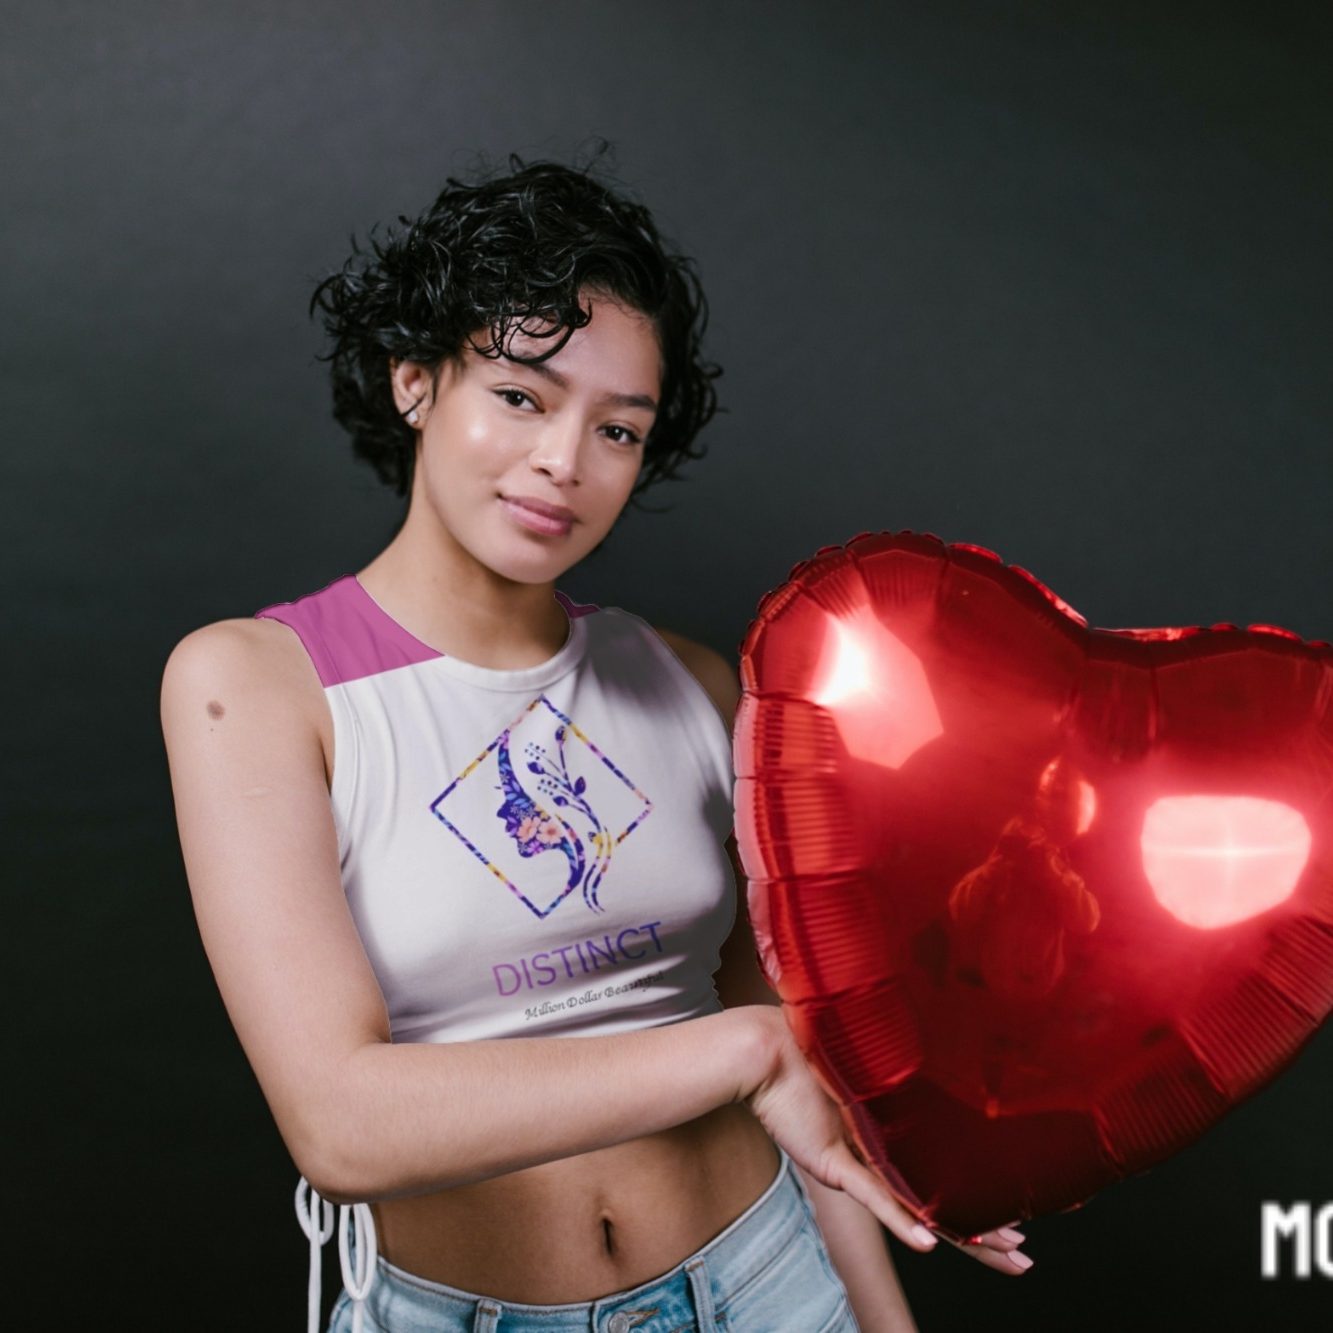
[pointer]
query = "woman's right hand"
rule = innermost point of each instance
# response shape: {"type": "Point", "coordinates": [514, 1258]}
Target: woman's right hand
{"type": "Point", "coordinates": [792, 1105]}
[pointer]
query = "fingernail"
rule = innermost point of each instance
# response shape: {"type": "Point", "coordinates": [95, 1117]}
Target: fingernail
{"type": "Point", "coordinates": [1010, 1234]}
{"type": "Point", "coordinates": [1020, 1259]}
{"type": "Point", "coordinates": [923, 1236]}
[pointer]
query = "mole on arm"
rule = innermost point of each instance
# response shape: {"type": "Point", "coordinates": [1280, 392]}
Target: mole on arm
{"type": "Point", "coordinates": [215, 709]}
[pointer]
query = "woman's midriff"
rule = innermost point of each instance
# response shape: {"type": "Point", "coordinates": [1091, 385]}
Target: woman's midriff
{"type": "Point", "coordinates": [583, 1227]}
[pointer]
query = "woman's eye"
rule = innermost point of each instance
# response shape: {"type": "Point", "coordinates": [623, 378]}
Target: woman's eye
{"type": "Point", "coordinates": [514, 397]}
{"type": "Point", "coordinates": [622, 435]}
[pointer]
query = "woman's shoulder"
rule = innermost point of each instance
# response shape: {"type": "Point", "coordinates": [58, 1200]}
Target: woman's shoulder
{"type": "Point", "coordinates": [717, 676]}
{"type": "Point", "coordinates": [262, 653]}
{"type": "Point", "coordinates": [242, 658]}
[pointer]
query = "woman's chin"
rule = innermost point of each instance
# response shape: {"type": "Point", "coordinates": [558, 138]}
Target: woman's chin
{"type": "Point", "coordinates": [537, 566]}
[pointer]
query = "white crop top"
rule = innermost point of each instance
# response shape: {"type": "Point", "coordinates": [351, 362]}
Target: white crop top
{"type": "Point", "coordinates": [524, 852]}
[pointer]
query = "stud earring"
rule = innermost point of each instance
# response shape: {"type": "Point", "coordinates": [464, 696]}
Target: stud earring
{"type": "Point", "coordinates": [413, 417]}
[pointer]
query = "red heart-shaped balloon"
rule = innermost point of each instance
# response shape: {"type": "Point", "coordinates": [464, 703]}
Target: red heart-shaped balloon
{"type": "Point", "coordinates": [1042, 902]}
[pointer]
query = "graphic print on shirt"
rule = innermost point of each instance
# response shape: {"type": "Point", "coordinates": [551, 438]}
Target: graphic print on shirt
{"type": "Point", "coordinates": [543, 809]}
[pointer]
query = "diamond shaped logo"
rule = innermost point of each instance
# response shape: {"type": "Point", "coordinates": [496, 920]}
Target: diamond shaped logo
{"type": "Point", "coordinates": [543, 809]}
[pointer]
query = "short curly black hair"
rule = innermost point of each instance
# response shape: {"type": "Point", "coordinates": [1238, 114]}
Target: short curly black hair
{"type": "Point", "coordinates": [488, 256]}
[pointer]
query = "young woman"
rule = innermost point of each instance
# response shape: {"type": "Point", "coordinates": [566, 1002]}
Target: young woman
{"type": "Point", "coordinates": [460, 848]}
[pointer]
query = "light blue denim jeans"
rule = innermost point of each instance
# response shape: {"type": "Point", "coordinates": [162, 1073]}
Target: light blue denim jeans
{"type": "Point", "coordinates": [768, 1272]}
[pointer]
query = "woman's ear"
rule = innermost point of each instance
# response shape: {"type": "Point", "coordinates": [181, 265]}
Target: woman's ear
{"type": "Point", "coordinates": [412, 386]}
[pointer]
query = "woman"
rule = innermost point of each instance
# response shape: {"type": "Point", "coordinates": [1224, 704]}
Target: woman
{"type": "Point", "coordinates": [460, 848]}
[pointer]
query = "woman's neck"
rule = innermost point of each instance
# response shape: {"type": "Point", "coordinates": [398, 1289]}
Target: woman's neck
{"type": "Point", "coordinates": [463, 610]}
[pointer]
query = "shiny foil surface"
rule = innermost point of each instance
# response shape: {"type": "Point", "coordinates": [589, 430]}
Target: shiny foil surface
{"type": "Point", "coordinates": [1042, 901]}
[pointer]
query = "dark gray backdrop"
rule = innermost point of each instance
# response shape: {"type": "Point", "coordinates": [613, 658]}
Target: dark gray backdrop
{"type": "Point", "coordinates": [1049, 278]}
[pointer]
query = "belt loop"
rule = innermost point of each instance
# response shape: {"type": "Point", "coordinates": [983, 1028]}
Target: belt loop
{"type": "Point", "coordinates": [701, 1288]}
{"type": "Point", "coordinates": [487, 1318]}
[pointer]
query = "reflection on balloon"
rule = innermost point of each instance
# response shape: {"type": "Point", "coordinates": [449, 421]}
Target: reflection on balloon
{"type": "Point", "coordinates": [873, 685]}
{"type": "Point", "coordinates": [1215, 860]}
{"type": "Point", "coordinates": [1041, 901]}
{"type": "Point", "coordinates": [1012, 913]}
{"type": "Point", "coordinates": [1065, 802]}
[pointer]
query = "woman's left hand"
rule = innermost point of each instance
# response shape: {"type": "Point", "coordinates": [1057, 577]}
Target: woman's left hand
{"type": "Point", "coordinates": [997, 1249]}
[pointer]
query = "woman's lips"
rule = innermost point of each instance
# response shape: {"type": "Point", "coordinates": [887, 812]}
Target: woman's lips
{"type": "Point", "coordinates": [534, 521]}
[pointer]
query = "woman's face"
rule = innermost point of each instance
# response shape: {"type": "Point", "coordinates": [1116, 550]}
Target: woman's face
{"type": "Point", "coordinates": [498, 436]}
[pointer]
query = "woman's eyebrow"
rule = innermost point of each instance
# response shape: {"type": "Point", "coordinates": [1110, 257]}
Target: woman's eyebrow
{"type": "Point", "coordinates": [629, 400]}
{"type": "Point", "coordinates": [616, 399]}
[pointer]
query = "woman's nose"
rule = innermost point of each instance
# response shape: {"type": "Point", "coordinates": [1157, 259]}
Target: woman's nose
{"type": "Point", "coordinates": [557, 452]}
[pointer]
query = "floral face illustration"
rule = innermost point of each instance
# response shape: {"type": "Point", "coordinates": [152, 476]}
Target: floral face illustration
{"type": "Point", "coordinates": [535, 832]}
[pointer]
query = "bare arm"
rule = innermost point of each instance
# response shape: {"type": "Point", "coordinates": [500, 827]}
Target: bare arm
{"type": "Point", "coordinates": [365, 1119]}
